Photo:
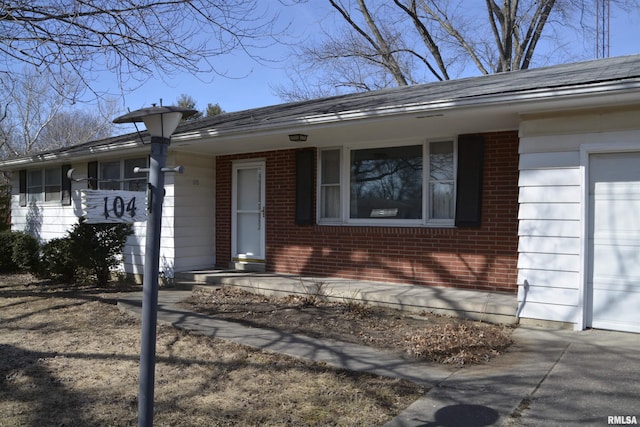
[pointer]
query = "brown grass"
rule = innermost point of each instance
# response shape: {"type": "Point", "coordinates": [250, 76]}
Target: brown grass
{"type": "Point", "coordinates": [69, 357]}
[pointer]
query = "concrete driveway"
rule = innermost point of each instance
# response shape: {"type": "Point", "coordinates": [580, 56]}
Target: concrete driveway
{"type": "Point", "coordinates": [549, 378]}
{"type": "Point", "coordinates": [596, 377]}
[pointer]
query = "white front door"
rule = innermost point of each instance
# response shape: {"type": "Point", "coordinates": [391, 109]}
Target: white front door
{"type": "Point", "coordinates": [614, 241]}
{"type": "Point", "coordinates": [247, 223]}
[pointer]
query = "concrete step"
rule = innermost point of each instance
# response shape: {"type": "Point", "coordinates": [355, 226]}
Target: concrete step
{"type": "Point", "coordinates": [492, 307]}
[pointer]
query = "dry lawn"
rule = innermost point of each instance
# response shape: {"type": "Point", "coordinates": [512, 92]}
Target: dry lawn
{"type": "Point", "coordinates": [69, 357]}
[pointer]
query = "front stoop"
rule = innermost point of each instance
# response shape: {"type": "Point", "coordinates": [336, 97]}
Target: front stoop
{"type": "Point", "coordinates": [492, 307]}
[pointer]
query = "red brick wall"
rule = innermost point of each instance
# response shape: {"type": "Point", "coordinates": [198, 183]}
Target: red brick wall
{"type": "Point", "coordinates": [476, 258]}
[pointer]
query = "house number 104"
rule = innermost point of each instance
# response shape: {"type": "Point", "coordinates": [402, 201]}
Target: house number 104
{"type": "Point", "coordinates": [117, 206]}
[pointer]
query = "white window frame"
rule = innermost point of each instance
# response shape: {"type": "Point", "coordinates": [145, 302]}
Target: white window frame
{"type": "Point", "coordinates": [345, 193]}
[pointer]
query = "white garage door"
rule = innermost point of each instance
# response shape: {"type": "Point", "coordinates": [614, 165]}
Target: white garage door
{"type": "Point", "coordinates": [614, 241]}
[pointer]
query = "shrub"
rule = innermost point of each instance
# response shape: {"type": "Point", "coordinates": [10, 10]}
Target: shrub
{"type": "Point", "coordinates": [5, 203]}
{"type": "Point", "coordinates": [57, 261]}
{"type": "Point", "coordinates": [7, 265]}
{"type": "Point", "coordinates": [19, 251]}
{"type": "Point", "coordinates": [26, 252]}
{"type": "Point", "coordinates": [98, 247]}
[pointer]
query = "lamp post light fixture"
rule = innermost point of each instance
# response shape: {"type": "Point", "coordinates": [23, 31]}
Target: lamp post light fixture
{"type": "Point", "coordinates": [161, 122]}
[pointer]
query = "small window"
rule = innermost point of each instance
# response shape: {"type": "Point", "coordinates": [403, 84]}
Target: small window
{"type": "Point", "coordinates": [109, 176]}
{"type": "Point", "coordinates": [52, 185]}
{"type": "Point", "coordinates": [34, 185]}
{"type": "Point", "coordinates": [135, 181]}
{"type": "Point", "coordinates": [330, 184]}
{"type": "Point", "coordinates": [119, 175]}
{"type": "Point", "coordinates": [44, 185]}
{"type": "Point", "coordinates": [441, 180]}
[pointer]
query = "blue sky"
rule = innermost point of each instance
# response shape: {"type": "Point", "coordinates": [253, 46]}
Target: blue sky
{"type": "Point", "coordinates": [254, 82]}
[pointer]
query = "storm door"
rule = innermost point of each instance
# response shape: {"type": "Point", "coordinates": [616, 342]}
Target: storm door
{"type": "Point", "coordinates": [248, 212]}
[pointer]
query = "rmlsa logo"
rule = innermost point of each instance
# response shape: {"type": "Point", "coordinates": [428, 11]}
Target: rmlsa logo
{"type": "Point", "coordinates": [622, 420]}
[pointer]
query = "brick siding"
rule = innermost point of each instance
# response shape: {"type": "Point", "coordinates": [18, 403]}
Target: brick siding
{"type": "Point", "coordinates": [474, 258]}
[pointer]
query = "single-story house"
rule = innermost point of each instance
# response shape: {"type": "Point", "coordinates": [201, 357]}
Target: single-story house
{"type": "Point", "coordinates": [525, 182]}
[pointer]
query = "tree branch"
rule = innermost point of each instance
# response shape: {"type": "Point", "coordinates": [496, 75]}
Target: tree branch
{"type": "Point", "coordinates": [427, 39]}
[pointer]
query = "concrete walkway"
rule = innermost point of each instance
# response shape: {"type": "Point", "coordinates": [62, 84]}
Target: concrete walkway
{"type": "Point", "coordinates": [549, 377]}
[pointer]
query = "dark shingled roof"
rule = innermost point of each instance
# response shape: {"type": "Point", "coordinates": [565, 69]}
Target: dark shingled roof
{"type": "Point", "coordinates": [455, 91]}
{"type": "Point", "coordinates": [566, 75]}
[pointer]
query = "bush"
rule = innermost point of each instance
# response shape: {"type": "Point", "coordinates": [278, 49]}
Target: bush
{"type": "Point", "coordinates": [26, 252]}
{"type": "Point", "coordinates": [19, 251]}
{"type": "Point", "coordinates": [7, 265]}
{"type": "Point", "coordinates": [92, 248]}
{"type": "Point", "coordinates": [98, 247]}
{"type": "Point", "coordinates": [5, 203]}
{"type": "Point", "coordinates": [57, 261]}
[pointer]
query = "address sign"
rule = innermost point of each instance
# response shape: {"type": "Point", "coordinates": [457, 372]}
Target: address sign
{"type": "Point", "coordinates": [114, 206]}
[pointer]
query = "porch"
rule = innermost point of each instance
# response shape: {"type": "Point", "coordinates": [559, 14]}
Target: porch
{"type": "Point", "coordinates": [492, 307]}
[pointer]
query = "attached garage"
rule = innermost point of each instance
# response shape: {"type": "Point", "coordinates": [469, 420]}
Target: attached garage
{"type": "Point", "coordinates": [613, 279]}
{"type": "Point", "coordinates": [579, 219]}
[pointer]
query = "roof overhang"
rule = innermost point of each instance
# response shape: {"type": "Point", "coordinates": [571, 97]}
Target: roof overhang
{"type": "Point", "coordinates": [432, 120]}
{"type": "Point", "coordinates": [430, 111]}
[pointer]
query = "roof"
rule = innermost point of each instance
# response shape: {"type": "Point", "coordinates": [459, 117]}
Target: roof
{"type": "Point", "coordinates": [593, 77]}
{"type": "Point", "coordinates": [510, 83]}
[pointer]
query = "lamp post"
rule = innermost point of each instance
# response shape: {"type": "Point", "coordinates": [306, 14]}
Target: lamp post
{"type": "Point", "coordinates": [161, 122]}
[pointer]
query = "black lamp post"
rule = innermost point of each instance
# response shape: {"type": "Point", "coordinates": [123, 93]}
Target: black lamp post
{"type": "Point", "coordinates": [161, 122]}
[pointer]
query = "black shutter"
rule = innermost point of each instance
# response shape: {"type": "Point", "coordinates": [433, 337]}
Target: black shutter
{"type": "Point", "coordinates": [22, 176]}
{"type": "Point", "coordinates": [66, 186]}
{"type": "Point", "coordinates": [304, 186]}
{"type": "Point", "coordinates": [469, 182]}
{"type": "Point", "coordinates": [92, 175]}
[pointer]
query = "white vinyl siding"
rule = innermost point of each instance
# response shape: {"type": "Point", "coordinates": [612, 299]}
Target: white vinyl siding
{"type": "Point", "coordinates": [549, 248]}
{"type": "Point", "coordinates": [193, 206]}
{"type": "Point", "coordinates": [188, 217]}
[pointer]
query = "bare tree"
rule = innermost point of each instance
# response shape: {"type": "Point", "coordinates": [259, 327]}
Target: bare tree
{"type": "Point", "coordinates": [134, 39]}
{"type": "Point", "coordinates": [379, 43]}
{"type": "Point", "coordinates": [37, 115]}
{"type": "Point", "coordinates": [76, 126]}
